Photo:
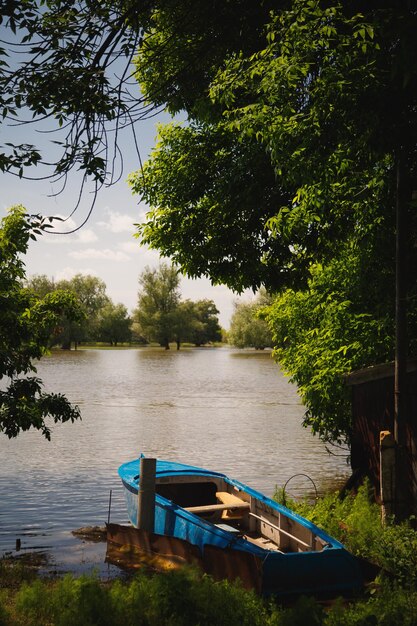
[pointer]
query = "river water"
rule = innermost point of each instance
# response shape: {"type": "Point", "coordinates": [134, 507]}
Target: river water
{"type": "Point", "coordinates": [223, 409]}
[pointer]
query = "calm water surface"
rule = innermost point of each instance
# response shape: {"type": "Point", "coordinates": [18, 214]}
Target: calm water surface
{"type": "Point", "coordinates": [226, 410]}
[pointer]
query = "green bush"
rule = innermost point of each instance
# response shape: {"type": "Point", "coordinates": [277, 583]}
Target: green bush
{"type": "Point", "coordinates": [181, 598]}
{"type": "Point", "coordinates": [186, 597]}
{"type": "Point", "coordinates": [392, 606]}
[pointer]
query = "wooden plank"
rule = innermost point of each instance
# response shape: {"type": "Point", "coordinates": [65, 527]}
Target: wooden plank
{"type": "Point", "coordinates": [376, 372]}
{"type": "Point", "coordinates": [228, 498]}
{"type": "Point", "coordinates": [212, 508]}
{"type": "Point", "coordinates": [132, 547]}
{"type": "Point", "coordinates": [263, 543]}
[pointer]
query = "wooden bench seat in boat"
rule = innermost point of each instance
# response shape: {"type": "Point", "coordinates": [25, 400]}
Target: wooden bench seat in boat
{"type": "Point", "coordinates": [236, 509]}
{"type": "Point", "coordinates": [230, 504]}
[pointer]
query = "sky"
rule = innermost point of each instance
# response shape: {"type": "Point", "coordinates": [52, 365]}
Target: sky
{"type": "Point", "coordinates": [105, 246]}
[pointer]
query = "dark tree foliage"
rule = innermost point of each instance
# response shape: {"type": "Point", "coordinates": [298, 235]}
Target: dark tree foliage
{"type": "Point", "coordinates": [26, 323]}
{"type": "Point", "coordinates": [66, 66]}
{"type": "Point", "coordinates": [57, 65]}
{"type": "Point", "coordinates": [315, 120]}
{"type": "Point", "coordinates": [185, 43]}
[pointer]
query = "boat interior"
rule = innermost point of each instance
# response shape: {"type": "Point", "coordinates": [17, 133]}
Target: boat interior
{"type": "Point", "coordinates": [234, 510]}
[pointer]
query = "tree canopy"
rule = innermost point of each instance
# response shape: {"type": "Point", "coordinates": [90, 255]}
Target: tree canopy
{"type": "Point", "coordinates": [212, 196]}
{"type": "Point", "coordinates": [323, 111]}
{"type": "Point", "coordinates": [302, 153]}
{"type": "Point", "coordinates": [114, 324]}
{"type": "Point", "coordinates": [158, 300]}
{"type": "Point", "coordinates": [90, 292]}
{"type": "Point", "coordinates": [328, 329]}
{"type": "Point", "coordinates": [206, 328]}
{"type": "Point", "coordinates": [26, 323]}
{"type": "Point", "coordinates": [163, 317]}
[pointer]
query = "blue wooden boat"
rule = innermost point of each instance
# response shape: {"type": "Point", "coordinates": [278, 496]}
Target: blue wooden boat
{"type": "Point", "coordinates": [210, 510]}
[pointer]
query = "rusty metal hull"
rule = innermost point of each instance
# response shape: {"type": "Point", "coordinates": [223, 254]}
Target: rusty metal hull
{"type": "Point", "coordinates": [133, 547]}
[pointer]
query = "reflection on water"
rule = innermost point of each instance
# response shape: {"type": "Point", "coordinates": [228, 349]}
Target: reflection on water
{"type": "Point", "coordinates": [222, 409]}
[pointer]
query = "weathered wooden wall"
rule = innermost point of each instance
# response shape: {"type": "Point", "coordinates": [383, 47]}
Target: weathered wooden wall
{"type": "Point", "coordinates": [373, 411]}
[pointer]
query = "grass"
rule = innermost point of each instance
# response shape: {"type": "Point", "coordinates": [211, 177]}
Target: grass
{"type": "Point", "coordinates": [187, 597]}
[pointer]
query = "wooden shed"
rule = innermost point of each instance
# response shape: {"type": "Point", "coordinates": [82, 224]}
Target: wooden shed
{"type": "Point", "coordinates": [373, 411]}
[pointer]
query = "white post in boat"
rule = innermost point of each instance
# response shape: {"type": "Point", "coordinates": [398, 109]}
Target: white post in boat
{"type": "Point", "coordinates": [146, 495]}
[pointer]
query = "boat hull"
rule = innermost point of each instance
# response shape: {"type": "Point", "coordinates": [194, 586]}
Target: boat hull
{"type": "Point", "coordinates": [330, 571]}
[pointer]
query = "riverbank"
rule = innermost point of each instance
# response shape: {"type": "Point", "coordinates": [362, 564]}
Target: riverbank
{"type": "Point", "coordinates": [185, 597]}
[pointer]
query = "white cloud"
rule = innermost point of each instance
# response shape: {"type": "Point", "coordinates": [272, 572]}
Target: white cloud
{"type": "Point", "coordinates": [57, 234]}
{"type": "Point", "coordinates": [69, 272]}
{"type": "Point", "coordinates": [132, 247]}
{"type": "Point", "coordinates": [86, 236]}
{"type": "Point", "coordinates": [93, 253]}
{"type": "Point", "coordinates": [118, 223]}
{"type": "Point", "coordinates": [146, 255]}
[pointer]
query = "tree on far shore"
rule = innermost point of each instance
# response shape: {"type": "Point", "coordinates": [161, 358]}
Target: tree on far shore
{"type": "Point", "coordinates": [247, 329]}
{"type": "Point", "coordinates": [161, 316]}
{"type": "Point", "coordinates": [206, 328]}
{"type": "Point", "coordinates": [113, 324]}
{"type": "Point", "coordinates": [158, 300]}
{"type": "Point", "coordinates": [102, 320]}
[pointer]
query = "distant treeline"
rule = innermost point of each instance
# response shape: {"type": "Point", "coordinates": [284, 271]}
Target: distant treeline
{"type": "Point", "coordinates": [161, 316]}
